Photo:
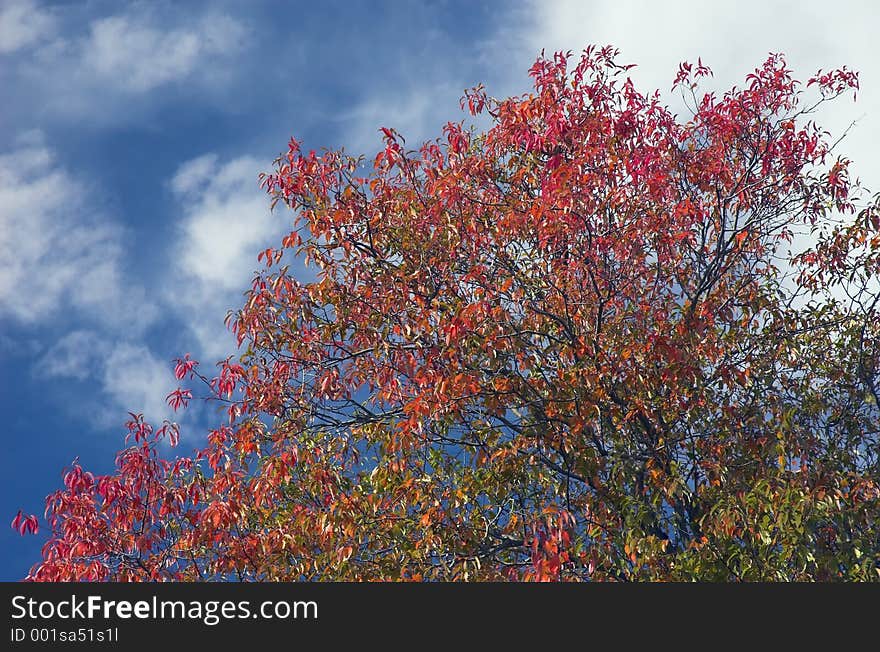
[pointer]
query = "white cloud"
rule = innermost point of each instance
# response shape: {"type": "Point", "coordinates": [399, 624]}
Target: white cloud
{"type": "Point", "coordinates": [225, 222]}
{"type": "Point", "coordinates": [130, 377]}
{"type": "Point", "coordinates": [138, 382]}
{"type": "Point", "coordinates": [191, 177]}
{"type": "Point", "coordinates": [227, 219]}
{"type": "Point", "coordinates": [136, 56]}
{"type": "Point", "coordinates": [115, 68]}
{"type": "Point", "coordinates": [23, 24]}
{"type": "Point", "coordinates": [58, 254]}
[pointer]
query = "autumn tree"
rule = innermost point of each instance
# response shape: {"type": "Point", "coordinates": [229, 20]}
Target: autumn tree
{"type": "Point", "coordinates": [573, 346]}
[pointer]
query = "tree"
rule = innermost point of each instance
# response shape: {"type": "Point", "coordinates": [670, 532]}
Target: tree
{"type": "Point", "coordinates": [570, 347]}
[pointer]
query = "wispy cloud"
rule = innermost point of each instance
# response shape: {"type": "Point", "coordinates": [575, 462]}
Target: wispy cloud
{"type": "Point", "coordinates": [62, 275]}
{"type": "Point", "coordinates": [76, 355]}
{"type": "Point", "coordinates": [22, 24]}
{"type": "Point", "coordinates": [131, 54]}
{"type": "Point", "coordinates": [129, 377]}
{"type": "Point", "coordinates": [62, 270]}
{"type": "Point", "coordinates": [57, 252]}
{"type": "Point", "coordinates": [108, 67]}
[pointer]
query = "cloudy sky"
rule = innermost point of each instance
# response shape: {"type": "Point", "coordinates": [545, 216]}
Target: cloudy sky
{"type": "Point", "coordinates": [131, 137]}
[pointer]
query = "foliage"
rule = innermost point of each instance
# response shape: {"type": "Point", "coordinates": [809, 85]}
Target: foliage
{"type": "Point", "coordinates": [570, 347]}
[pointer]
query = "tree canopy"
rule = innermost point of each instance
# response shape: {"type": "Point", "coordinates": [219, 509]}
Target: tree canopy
{"type": "Point", "coordinates": [570, 346]}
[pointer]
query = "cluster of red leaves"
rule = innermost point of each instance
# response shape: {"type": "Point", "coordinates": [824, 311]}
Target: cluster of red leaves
{"type": "Point", "coordinates": [559, 349]}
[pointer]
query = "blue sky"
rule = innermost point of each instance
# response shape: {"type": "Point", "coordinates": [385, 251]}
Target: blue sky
{"type": "Point", "coordinates": [132, 134]}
